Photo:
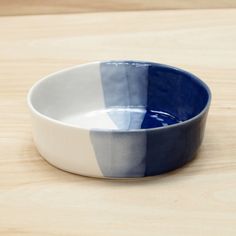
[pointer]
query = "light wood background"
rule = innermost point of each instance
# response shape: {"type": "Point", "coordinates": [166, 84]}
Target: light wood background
{"type": "Point", "coordinates": [38, 199]}
{"type": "Point", "coordinates": [23, 7]}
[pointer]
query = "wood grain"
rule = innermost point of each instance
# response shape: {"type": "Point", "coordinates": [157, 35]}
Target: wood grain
{"type": "Point", "coordinates": [29, 7]}
{"type": "Point", "coordinates": [38, 199]}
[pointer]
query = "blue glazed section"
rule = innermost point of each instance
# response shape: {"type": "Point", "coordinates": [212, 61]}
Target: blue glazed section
{"type": "Point", "coordinates": [168, 149]}
{"type": "Point", "coordinates": [174, 92]}
{"type": "Point", "coordinates": [179, 94]}
{"type": "Point", "coordinates": [154, 119]}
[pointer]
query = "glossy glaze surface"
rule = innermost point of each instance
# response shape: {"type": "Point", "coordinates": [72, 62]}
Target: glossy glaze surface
{"type": "Point", "coordinates": [138, 118]}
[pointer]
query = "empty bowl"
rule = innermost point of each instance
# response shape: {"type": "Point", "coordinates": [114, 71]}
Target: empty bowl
{"type": "Point", "coordinates": [119, 119]}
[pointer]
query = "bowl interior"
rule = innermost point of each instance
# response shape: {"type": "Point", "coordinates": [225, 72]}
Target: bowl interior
{"type": "Point", "coordinates": [123, 95]}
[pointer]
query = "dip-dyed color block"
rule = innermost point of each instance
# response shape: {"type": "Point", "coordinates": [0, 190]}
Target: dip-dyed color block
{"type": "Point", "coordinates": [119, 119]}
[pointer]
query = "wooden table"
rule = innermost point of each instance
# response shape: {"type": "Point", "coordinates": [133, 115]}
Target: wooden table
{"type": "Point", "coordinates": [38, 199]}
{"type": "Point", "coordinates": [37, 7]}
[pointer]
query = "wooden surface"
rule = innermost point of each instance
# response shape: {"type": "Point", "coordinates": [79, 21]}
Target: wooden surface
{"type": "Point", "coordinates": [30, 7]}
{"type": "Point", "coordinates": [38, 199]}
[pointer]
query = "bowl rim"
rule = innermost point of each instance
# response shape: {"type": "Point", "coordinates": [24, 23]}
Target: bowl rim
{"type": "Point", "coordinates": [67, 125]}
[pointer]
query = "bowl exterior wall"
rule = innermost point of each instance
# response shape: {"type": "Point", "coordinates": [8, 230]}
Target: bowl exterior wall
{"type": "Point", "coordinates": [118, 154]}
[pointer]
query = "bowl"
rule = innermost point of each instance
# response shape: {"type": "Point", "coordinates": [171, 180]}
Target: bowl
{"type": "Point", "coordinates": [119, 119]}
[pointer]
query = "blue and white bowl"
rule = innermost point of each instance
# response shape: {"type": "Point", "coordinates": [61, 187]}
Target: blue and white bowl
{"type": "Point", "coordinates": [119, 119]}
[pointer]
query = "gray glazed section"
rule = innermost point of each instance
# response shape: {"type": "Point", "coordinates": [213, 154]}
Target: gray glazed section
{"type": "Point", "coordinates": [122, 154]}
{"type": "Point", "coordinates": [125, 86]}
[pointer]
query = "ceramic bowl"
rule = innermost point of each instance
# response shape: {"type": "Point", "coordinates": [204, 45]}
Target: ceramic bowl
{"type": "Point", "coordinates": [119, 119]}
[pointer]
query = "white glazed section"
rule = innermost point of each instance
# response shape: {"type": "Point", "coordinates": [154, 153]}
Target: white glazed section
{"type": "Point", "coordinates": [65, 145]}
{"type": "Point", "coordinates": [67, 148]}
